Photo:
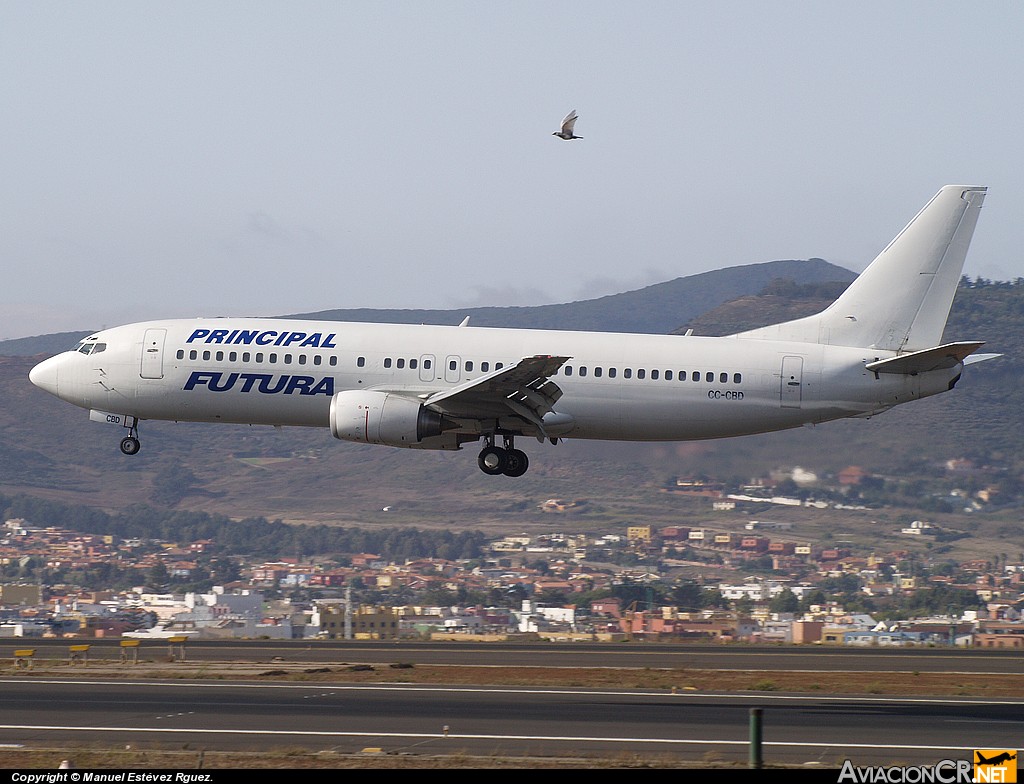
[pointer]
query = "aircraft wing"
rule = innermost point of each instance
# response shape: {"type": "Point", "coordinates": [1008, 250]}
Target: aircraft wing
{"type": "Point", "coordinates": [524, 389]}
{"type": "Point", "coordinates": [938, 358]}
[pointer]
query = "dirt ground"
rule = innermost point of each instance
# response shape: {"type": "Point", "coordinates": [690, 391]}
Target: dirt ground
{"type": "Point", "coordinates": [897, 683]}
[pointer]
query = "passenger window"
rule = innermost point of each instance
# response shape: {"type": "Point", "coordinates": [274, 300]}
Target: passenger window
{"type": "Point", "coordinates": [499, 365]}
{"type": "Point", "coordinates": [597, 372]}
{"type": "Point", "coordinates": [611, 372]}
{"type": "Point", "coordinates": [287, 359]}
{"type": "Point", "coordinates": [272, 358]}
{"type": "Point", "coordinates": [654, 375]}
{"type": "Point", "coordinates": [453, 365]}
{"type": "Point", "coordinates": [259, 356]}
{"type": "Point", "coordinates": [627, 373]}
{"type": "Point", "coordinates": [302, 359]}
{"type": "Point", "coordinates": [206, 356]}
{"type": "Point", "coordinates": [583, 371]}
{"type": "Point", "coordinates": [641, 374]}
{"type": "Point", "coordinates": [361, 362]}
{"type": "Point", "coordinates": [317, 359]}
{"type": "Point", "coordinates": [400, 363]}
{"type": "Point", "coordinates": [427, 364]}
{"type": "Point", "coordinates": [469, 366]}
{"type": "Point", "coordinates": [387, 362]}
{"type": "Point", "coordinates": [568, 370]}
{"type": "Point", "coordinates": [485, 366]}
{"type": "Point", "coordinates": [333, 361]}
{"type": "Point", "coordinates": [246, 356]}
{"type": "Point", "coordinates": [413, 363]}
{"type": "Point", "coordinates": [233, 356]}
{"type": "Point", "coordinates": [668, 375]}
{"type": "Point", "coordinates": [696, 375]}
{"type": "Point", "coordinates": [723, 377]}
{"type": "Point", "coordinates": [181, 353]}
{"type": "Point", "coordinates": [682, 375]}
{"type": "Point", "coordinates": [737, 378]}
{"type": "Point", "coordinates": [220, 356]}
{"type": "Point", "coordinates": [709, 376]}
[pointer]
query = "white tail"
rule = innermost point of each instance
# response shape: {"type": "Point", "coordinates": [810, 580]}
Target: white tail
{"type": "Point", "coordinates": [902, 300]}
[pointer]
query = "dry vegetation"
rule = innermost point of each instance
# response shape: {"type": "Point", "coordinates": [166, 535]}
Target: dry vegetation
{"type": "Point", "coordinates": [895, 683]}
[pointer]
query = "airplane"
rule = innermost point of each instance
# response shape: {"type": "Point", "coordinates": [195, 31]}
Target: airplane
{"type": "Point", "coordinates": [441, 387]}
{"type": "Point", "coordinates": [996, 760]}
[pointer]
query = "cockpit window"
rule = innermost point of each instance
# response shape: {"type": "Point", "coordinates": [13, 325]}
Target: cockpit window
{"type": "Point", "coordinates": [85, 347]}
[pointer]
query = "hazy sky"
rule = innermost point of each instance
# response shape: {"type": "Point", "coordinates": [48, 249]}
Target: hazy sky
{"type": "Point", "coordinates": [165, 159]}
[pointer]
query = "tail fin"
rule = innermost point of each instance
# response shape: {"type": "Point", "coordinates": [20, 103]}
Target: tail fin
{"type": "Point", "coordinates": [902, 300]}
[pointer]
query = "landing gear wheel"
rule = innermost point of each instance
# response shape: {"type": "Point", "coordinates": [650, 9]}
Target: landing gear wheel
{"type": "Point", "coordinates": [516, 462]}
{"type": "Point", "coordinates": [492, 460]}
{"type": "Point", "coordinates": [130, 445]}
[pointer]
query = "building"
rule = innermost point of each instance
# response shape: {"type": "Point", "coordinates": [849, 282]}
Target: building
{"type": "Point", "coordinates": [639, 534]}
{"type": "Point", "coordinates": [999, 634]}
{"type": "Point", "coordinates": [20, 595]}
{"type": "Point", "coordinates": [337, 621]}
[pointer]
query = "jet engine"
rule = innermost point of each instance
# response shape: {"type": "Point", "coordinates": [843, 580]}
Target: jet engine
{"type": "Point", "coordinates": [384, 418]}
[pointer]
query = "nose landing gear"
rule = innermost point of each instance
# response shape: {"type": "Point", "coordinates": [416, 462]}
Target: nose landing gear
{"type": "Point", "coordinates": [494, 460]}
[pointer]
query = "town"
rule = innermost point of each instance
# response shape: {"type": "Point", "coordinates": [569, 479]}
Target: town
{"type": "Point", "coordinates": [734, 579]}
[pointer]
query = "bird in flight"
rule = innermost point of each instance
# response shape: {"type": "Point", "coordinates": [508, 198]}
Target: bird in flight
{"type": "Point", "coordinates": [567, 127]}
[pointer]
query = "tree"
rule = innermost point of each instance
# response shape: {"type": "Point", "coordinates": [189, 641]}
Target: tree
{"type": "Point", "coordinates": [784, 602]}
{"type": "Point", "coordinates": [516, 594]}
{"type": "Point", "coordinates": [158, 579]}
{"type": "Point", "coordinates": [689, 596]}
{"type": "Point", "coordinates": [816, 597]}
{"type": "Point", "coordinates": [541, 566]}
{"type": "Point", "coordinates": [552, 596]}
{"type": "Point", "coordinates": [173, 483]}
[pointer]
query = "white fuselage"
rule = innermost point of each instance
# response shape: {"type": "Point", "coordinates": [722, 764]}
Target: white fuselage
{"type": "Point", "coordinates": [615, 386]}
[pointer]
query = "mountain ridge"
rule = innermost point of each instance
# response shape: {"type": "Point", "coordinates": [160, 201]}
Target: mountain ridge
{"type": "Point", "coordinates": [656, 309]}
{"type": "Point", "coordinates": [50, 449]}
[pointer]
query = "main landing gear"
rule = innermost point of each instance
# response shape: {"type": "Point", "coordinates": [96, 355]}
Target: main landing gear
{"type": "Point", "coordinates": [130, 443]}
{"type": "Point", "coordinates": [506, 459]}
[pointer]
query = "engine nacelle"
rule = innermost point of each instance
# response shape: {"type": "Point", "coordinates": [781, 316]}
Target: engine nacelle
{"type": "Point", "coordinates": [384, 418]}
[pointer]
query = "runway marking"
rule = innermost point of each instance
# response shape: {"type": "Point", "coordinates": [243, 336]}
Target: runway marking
{"type": "Point", "coordinates": [456, 736]}
{"type": "Point", "coordinates": [405, 687]}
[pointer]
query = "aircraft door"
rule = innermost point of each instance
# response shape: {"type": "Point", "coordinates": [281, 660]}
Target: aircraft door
{"type": "Point", "coordinates": [427, 367]}
{"type": "Point", "coordinates": [792, 381]}
{"type": "Point", "coordinates": [452, 369]}
{"type": "Point", "coordinates": [153, 353]}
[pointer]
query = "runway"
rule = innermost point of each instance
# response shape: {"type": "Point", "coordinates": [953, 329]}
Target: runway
{"type": "Point", "coordinates": [403, 720]}
{"type": "Point", "coordinates": [56, 705]}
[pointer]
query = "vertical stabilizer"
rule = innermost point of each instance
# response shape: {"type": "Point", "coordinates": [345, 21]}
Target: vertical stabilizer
{"type": "Point", "coordinates": [902, 300]}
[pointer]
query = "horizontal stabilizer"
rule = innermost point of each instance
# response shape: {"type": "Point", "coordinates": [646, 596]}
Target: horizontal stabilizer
{"type": "Point", "coordinates": [974, 359]}
{"type": "Point", "coordinates": [938, 358]}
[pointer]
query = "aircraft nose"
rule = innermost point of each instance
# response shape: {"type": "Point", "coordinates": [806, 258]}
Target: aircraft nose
{"type": "Point", "coordinates": [44, 375]}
